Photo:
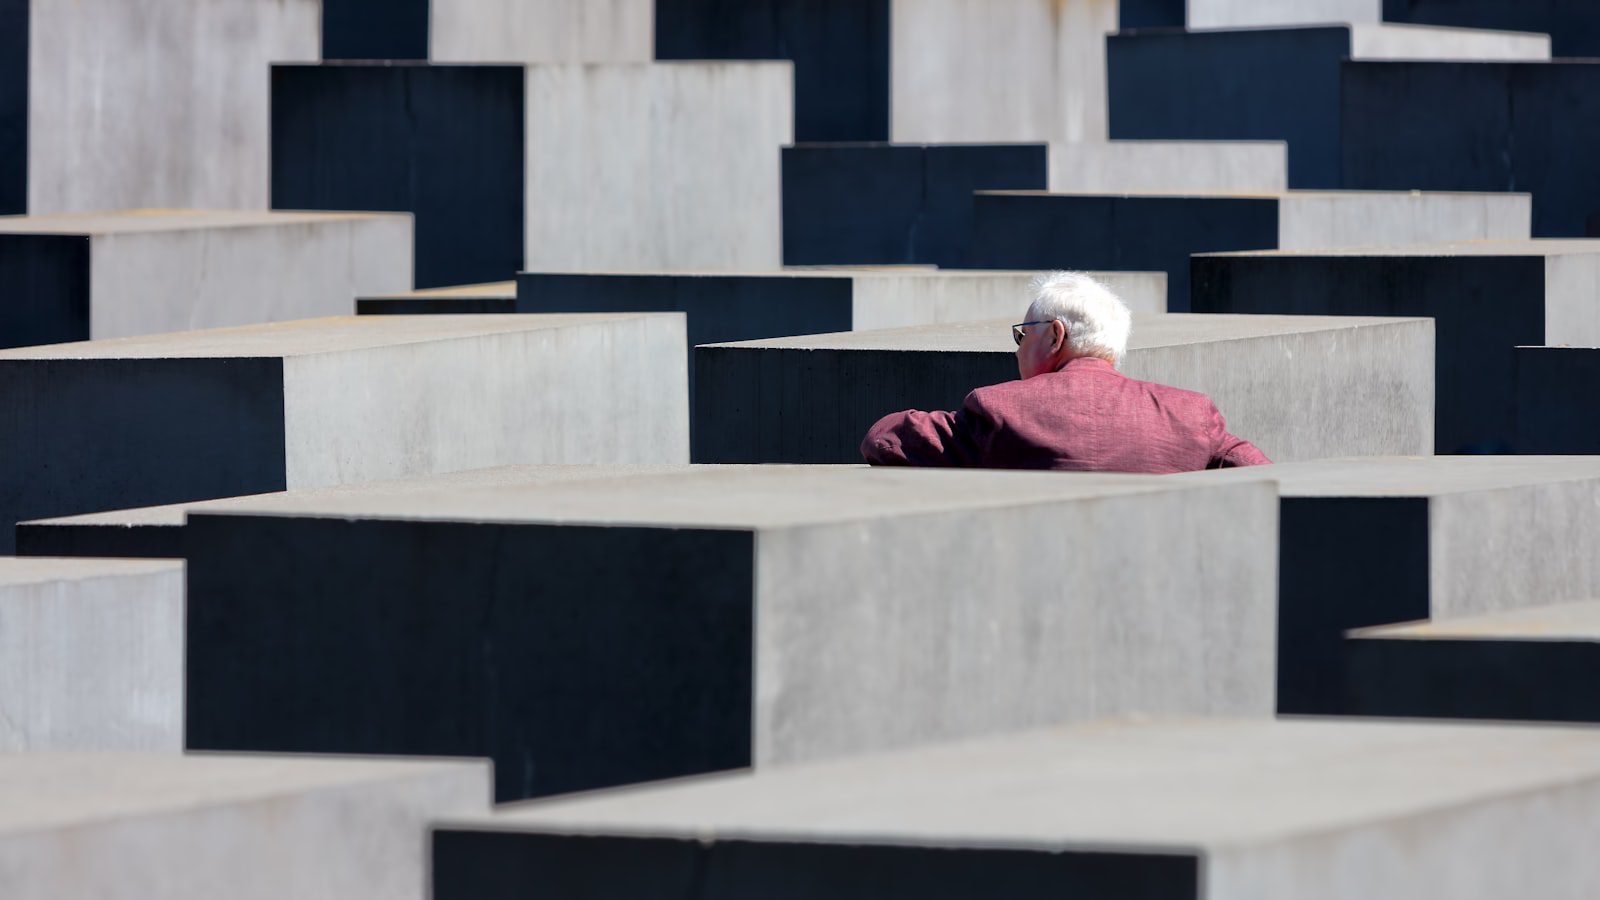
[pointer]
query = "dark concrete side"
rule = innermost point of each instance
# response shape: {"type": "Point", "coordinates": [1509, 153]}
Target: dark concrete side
{"type": "Point", "coordinates": [1440, 126]}
{"type": "Point", "coordinates": [840, 50]}
{"type": "Point", "coordinates": [79, 436]}
{"type": "Point", "coordinates": [442, 142]}
{"type": "Point", "coordinates": [1526, 680]}
{"type": "Point", "coordinates": [434, 306]}
{"type": "Point", "coordinates": [105, 541]}
{"type": "Point", "coordinates": [1556, 400]}
{"type": "Point", "coordinates": [755, 405]}
{"type": "Point", "coordinates": [1482, 306]}
{"type": "Point", "coordinates": [14, 88]}
{"type": "Point", "coordinates": [490, 865]}
{"type": "Point", "coordinates": [574, 657]}
{"type": "Point", "coordinates": [1262, 84]}
{"type": "Point", "coordinates": [883, 204]}
{"type": "Point", "coordinates": [1343, 563]}
{"type": "Point", "coordinates": [1114, 234]}
{"type": "Point", "coordinates": [1573, 25]}
{"type": "Point", "coordinates": [375, 29]}
{"type": "Point", "coordinates": [44, 289]}
{"type": "Point", "coordinates": [1152, 14]}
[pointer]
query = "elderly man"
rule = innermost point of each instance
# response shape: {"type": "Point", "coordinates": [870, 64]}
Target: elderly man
{"type": "Point", "coordinates": [1072, 409]}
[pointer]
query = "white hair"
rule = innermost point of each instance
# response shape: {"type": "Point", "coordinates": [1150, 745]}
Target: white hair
{"type": "Point", "coordinates": [1097, 320]}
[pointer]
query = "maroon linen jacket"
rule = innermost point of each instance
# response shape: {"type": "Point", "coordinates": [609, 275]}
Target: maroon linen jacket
{"type": "Point", "coordinates": [1085, 416]}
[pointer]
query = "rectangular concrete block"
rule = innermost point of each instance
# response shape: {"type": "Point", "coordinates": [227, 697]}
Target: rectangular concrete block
{"type": "Point", "coordinates": [586, 632]}
{"type": "Point", "coordinates": [91, 655]}
{"type": "Point", "coordinates": [1555, 396]}
{"type": "Point", "coordinates": [1486, 296]}
{"type": "Point", "coordinates": [1151, 231]}
{"type": "Point", "coordinates": [1359, 386]}
{"type": "Point", "coordinates": [879, 204]}
{"type": "Point", "coordinates": [1528, 664]}
{"type": "Point", "coordinates": [1261, 13]}
{"type": "Point", "coordinates": [488, 31]}
{"type": "Point", "coordinates": [1172, 84]}
{"type": "Point", "coordinates": [1376, 541]}
{"type": "Point", "coordinates": [147, 103]}
{"type": "Point", "coordinates": [106, 275]}
{"type": "Point", "coordinates": [190, 827]}
{"type": "Point", "coordinates": [1462, 126]}
{"type": "Point", "coordinates": [1112, 166]}
{"type": "Point", "coordinates": [553, 166]}
{"type": "Point", "coordinates": [840, 50]}
{"type": "Point", "coordinates": [140, 421]}
{"type": "Point", "coordinates": [1001, 70]}
{"type": "Point", "coordinates": [1573, 25]}
{"type": "Point", "coordinates": [1223, 810]}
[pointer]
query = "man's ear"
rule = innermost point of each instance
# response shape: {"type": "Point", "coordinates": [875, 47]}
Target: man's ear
{"type": "Point", "coordinates": [1058, 335]}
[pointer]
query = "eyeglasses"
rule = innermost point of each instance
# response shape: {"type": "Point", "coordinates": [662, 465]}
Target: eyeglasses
{"type": "Point", "coordinates": [1017, 334]}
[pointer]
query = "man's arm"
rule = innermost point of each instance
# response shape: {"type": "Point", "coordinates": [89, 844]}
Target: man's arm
{"type": "Point", "coordinates": [917, 438]}
{"type": "Point", "coordinates": [1228, 451]}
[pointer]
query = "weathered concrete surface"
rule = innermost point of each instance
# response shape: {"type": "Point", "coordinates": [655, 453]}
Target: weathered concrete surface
{"type": "Point", "coordinates": [1217, 809]}
{"type": "Point", "coordinates": [1259, 13]}
{"type": "Point", "coordinates": [158, 531]}
{"type": "Point", "coordinates": [1155, 231]}
{"type": "Point", "coordinates": [151, 271]}
{"type": "Point", "coordinates": [1573, 25]}
{"type": "Point", "coordinates": [1378, 541]}
{"type": "Point", "coordinates": [91, 655]}
{"type": "Point", "coordinates": [840, 50]}
{"type": "Point", "coordinates": [1209, 85]}
{"type": "Point", "coordinates": [192, 827]}
{"type": "Point", "coordinates": [1111, 166]}
{"type": "Point", "coordinates": [1555, 399]}
{"type": "Point", "coordinates": [1529, 664]}
{"type": "Point", "coordinates": [664, 166]}
{"type": "Point", "coordinates": [899, 204]}
{"type": "Point", "coordinates": [540, 31]}
{"type": "Point", "coordinates": [1358, 386]}
{"type": "Point", "coordinates": [154, 103]}
{"type": "Point", "coordinates": [1487, 297]}
{"type": "Point", "coordinates": [140, 421]}
{"type": "Point", "coordinates": [999, 70]}
{"type": "Point", "coordinates": [563, 166]}
{"type": "Point", "coordinates": [1519, 126]}
{"type": "Point", "coordinates": [765, 614]}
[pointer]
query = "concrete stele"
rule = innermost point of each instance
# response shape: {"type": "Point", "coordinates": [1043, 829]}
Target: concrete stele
{"type": "Point", "coordinates": [139, 421]}
{"type": "Point", "coordinates": [189, 827]}
{"type": "Point", "coordinates": [154, 271]}
{"type": "Point", "coordinates": [91, 655]}
{"type": "Point", "coordinates": [787, 613]}
{"type": "Point", "coordinates": [1517, 665]}
{"type": "Point", "coordinates": [1224, 810]}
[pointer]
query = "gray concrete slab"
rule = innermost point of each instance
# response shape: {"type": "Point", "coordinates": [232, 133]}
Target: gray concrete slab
{"type": "Point", "coordinates": [147, 420]}
{"type": "Point", "coordinates": [1525, 664]}
{"type": "Point", "coordinates": [1159, 230]}
{"type": "Point", "coordinates": [649, 625]}
{"type": "Point", "coordinates": [1300, 387]}
{"type": "Point", "coordinates": [153, 271]}
{"type": "Point", "coordinates": [155, 103]}
{"type": "Point", "coordinates": [577, 31]}
{"type": "Point", "coordinates": [1224, 810]}
{"type": "Point", "coordinates": [192, 827]}
{"type": "Point", "coordinates": [1379, 541]}
{"type": "Point", "coordinates": [1488, 297]}
{"type": "Point", "coordinates": [91, 655]}
{"type": "Point", "coordinates": [1111, 166]}
{"type": "Point", "coordinates": [659, 166]}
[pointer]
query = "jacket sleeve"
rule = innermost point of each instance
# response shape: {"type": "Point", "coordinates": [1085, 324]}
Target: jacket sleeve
{"type": "Point", "coordinates": [917, 438]}
{"type": "Point", "coordinates": [1230, 452]}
